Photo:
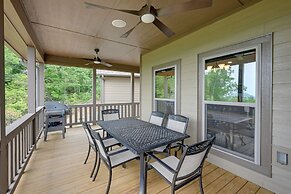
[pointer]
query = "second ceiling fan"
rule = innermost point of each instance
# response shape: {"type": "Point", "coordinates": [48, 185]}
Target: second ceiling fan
{"type": "Point", "coordinates": [149, 14]}
{"type": "Point", "coordinates": [97, 60]}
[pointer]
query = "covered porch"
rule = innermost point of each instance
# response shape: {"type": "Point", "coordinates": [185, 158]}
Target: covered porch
{"type": "Point", "coordinates": [177, 65]}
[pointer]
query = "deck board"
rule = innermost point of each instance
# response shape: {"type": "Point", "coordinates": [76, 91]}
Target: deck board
{"type": "Point", "coordinates": [57, 167]}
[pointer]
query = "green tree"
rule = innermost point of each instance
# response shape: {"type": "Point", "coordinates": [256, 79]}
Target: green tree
{"type": "Point", "coordinates": [15, 87]}
{"type": "Point", "coordinates": [219, 85]}
{"type": "Point", "coordinates": [70, 85]}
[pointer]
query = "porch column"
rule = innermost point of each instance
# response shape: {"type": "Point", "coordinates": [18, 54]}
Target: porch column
{"type": "Point", "coordinates": [4, 147]}
{"type": "Point", "coordinates": [31, 79]}
{"type": "Point", "coordinates": [94, 96]}
{"type": "Point", "coordinates": [132, 94]}
{"type": "Point", "coordinates": [41, 84]}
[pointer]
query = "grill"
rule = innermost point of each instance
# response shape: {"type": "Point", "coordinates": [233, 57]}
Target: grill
{"type": "Point", "coordinates": [55, 115]}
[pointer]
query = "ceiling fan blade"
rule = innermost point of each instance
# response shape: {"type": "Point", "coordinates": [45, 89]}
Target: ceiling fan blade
{"type": "Point", "coordinates": [87, 64]}
{"type": "Point", "coordinates": [133, 12]}
{"type": "Point", "coordinates": [105, 64]}
{"type": "Point", "coordinates": [125, 35]}
{"type": "Point", "coordinates": [167, 31]}
{"type": "Point", "coordinates": [182, 7]}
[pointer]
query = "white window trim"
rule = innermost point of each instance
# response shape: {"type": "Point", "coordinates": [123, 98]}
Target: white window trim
{"type": "Point", "coordinates": [176, 100]}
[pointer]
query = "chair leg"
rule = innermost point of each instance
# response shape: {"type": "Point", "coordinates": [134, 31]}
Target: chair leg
{"type": "Point", "coordinates": [172, 190]}
{"type": "Point", "coordinates": [97, 170]}
{"type": "Point", "coordinates": [109, 181]}
{"type": "Point", "coordinates": [95, 162]}
{"type": "Point", "coordinates": [89, 150]}
{"type": "Point", "coordinates": [124, 165]}
{"type": "Point", "coordinates": [200, 184]}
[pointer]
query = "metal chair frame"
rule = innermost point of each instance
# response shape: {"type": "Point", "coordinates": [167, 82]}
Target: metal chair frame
{"type": "Point", "coordinates": [189, 150]}
{"type": "Point", "coordinates": [106, 160]}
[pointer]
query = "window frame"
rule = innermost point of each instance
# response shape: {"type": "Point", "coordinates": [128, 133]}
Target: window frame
{"type": "Point", "coordinates": [174, 64]}
{"type": "Point", "coordinates": [263, 131]}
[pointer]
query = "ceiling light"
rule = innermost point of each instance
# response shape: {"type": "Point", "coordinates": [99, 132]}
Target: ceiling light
{"type": "Point", "coordinates": [229, 62]}
{"type": "Point", "coordinates": [148, 18]}
{"type": "Point", "coordinates": [119, 23]}
{"type": "Point", "coordinates": [97, 62]}
{"type": "Point", "coordinates": [221, 66]}
{"type": "Point", "coordinates": [209, 68]}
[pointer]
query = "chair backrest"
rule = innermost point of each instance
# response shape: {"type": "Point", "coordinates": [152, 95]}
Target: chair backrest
{"type": "Point", "coordinates": [177, 123]}
{"type": "Point", "coordinates": [87, 127]}
{"type": "Point", "coordinates": [193, 159]}
{"type": "Point", "coordinates": [157, 118]}
{"type": "Point", "coordinates": [100, 146]}
{"type": "Point", "coordinates": [110, 114]}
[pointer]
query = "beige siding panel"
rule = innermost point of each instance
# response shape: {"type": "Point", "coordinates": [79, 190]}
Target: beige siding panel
{"type": "Point", "coordinates": [118, 90]}
{"type": "Point", "coordinates": [262, 18]}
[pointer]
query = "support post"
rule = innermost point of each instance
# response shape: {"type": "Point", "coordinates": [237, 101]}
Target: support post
{"type": "Point", "coordinates": [3, 143]}
{"type": "Point", "coordinates": [94, 95]}
{"type": "Point", "coordinates": [132, 94]}
{"type": "Point", "coordinates": [41, 84]}
{"type": "Point", "coordinates": [31, 79]}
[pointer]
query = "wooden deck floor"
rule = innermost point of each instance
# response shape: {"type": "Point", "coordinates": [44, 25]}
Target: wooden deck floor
{"type": "Point", "coordinates": [57, 167]}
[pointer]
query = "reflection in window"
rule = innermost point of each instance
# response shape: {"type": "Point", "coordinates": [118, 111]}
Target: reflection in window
{"type": "Point", "coordinates": [165, 84]}
{"type": "Point", "coordinates": [231, 78]}
{"type": "Point", "coordinates": [230, 102]}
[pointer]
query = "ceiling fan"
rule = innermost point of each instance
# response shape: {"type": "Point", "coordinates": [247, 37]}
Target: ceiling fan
{"type": "Point", "coordinates": [149, 14]}
{"type": "Point", "coordinates": [97, 60]}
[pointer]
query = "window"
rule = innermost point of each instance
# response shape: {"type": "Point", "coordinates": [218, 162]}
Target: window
{"type": "Point", "coordinates": [235, 102]}
{"type": "Point", "coordinates": [16, 87]}
{"type": "Point", "coordinates": [166, 88]}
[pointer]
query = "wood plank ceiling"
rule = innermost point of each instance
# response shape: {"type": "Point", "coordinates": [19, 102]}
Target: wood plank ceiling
{"type": "Point", "coordinates": [69, 28]}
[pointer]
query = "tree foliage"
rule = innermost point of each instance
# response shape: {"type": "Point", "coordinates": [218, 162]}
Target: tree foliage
{"type": "Point", "coordinates": [219, 85]}
{"type": "Point", "coordinates": [70, 85]}
{"type": "Point", "coordinates": [15, 87]}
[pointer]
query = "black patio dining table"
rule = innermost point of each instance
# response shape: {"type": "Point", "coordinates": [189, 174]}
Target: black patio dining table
{"type": "Point", "coordinates": [140, 137]}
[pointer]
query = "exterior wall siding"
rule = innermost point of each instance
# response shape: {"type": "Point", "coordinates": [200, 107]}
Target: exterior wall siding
{"type": "Point", "coordinates": [267, 16]}
{"type": "Point", "coordinates": [118, 90]}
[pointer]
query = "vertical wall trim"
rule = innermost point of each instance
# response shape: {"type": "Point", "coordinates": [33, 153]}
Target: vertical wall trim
{"type": "Point", "coordinates": [31, 79]}
{"type": "Point", "coordinates": [132, 93]}
{"type": "Point", "coordinates": [41, 84]}
{"type": "Point", "coordinates": [94, 94]}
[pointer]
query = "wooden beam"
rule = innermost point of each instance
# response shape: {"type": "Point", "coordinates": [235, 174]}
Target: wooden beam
{"type": "Point", "coordinates": [31, 79]}
{"type": "Point", "coordinates": [41, 84]}
{"type": "Point", "coordinates": [94, 95]}
{"type": "Point", "coordinates": [18, 6]}
{"type": "Point", "coordinates": [77, 62]}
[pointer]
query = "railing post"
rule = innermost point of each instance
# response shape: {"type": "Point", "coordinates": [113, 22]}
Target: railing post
{"type": "Point", "coordinates": [132, 95]}
{"type": "Point", "coordinates": [3, 143]}
{"type": "Point", "coordinates": [94, 95]}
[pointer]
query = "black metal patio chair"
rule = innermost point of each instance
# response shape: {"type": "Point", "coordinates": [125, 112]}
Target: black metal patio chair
{"type": "Point", "coordinates": [112, 158]}
{"type": "Point", "coordinates": [179, 172]}
{"type": "Point", "coordinates": [177, 123]}
{"type": "Point", "coordinates": [157, 118]}
{"type": "Point", "coordinates": [108, 143]}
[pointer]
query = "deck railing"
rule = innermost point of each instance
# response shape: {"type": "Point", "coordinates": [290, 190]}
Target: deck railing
{"type": "Point", "coordinates": [19, 143]}
{"type": "Point", "coordinates": [88, 113]}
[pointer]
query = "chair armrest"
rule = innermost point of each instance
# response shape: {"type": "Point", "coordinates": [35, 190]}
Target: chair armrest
{"type": "Point", "coordinates": [99, 129]}
{"type": "Point", "coordinates": [117, 152]}
{"type": "Point", "coordinates": [163, 163]}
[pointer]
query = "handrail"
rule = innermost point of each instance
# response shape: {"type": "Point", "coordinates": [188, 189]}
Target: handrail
{"type": "Point", "coordinates": [88, 113]}
{"type": "Point", "coordinates": [18, 145]}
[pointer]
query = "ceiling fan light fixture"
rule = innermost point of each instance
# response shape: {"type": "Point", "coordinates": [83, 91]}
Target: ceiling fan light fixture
{"type": "Point", "coordinates": [118, 23]}
{"type": "Point", "coordinates": [97, 62]}
{"type": "Point", "coordinates": [148, 18]}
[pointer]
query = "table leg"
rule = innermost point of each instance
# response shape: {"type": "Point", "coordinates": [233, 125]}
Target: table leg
{"type": "Point", "coordinates": [143, 174]}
